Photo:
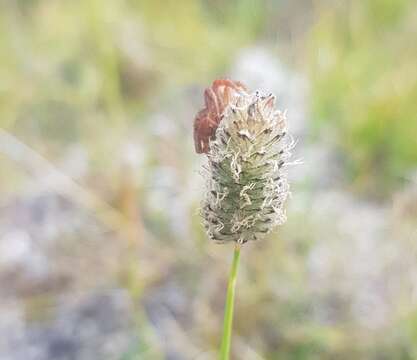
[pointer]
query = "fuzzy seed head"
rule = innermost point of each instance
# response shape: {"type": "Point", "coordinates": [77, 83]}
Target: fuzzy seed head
{"type": "Point", "coordinates": [246, 180]}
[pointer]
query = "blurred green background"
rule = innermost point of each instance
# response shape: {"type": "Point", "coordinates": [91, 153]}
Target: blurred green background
{"type": "Point", "coordinates": [102, 253]}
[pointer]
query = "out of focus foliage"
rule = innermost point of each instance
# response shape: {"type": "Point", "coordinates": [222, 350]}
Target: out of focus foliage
{"type": "Point", "coordinates": [196, 38]}
{"type": "Point", "coordinates": [364, 85]}
{"type": "Point", "coordinates": [96, 55]}
{"type": "Point", "coordinates": [72, 70]}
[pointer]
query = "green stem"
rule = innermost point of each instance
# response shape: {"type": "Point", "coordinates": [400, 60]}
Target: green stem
{"type": "Point", "coordinates": [228, 310]}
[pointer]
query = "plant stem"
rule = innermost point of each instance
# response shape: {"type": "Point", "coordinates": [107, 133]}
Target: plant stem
{"type": "Point", "coordinates": [228, 309]}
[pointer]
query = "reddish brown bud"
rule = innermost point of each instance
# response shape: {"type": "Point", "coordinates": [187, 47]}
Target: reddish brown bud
{"type": "Point", "coordinates": [216, 99]}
